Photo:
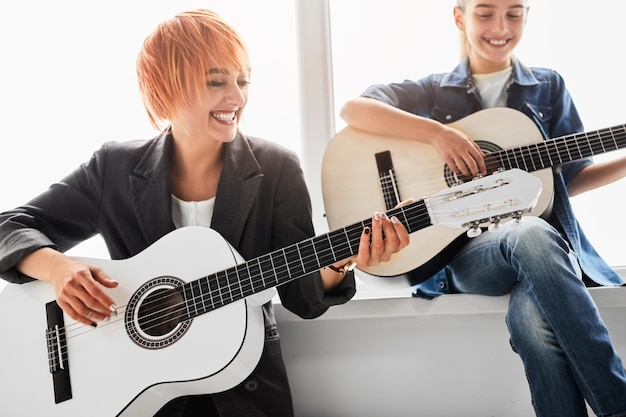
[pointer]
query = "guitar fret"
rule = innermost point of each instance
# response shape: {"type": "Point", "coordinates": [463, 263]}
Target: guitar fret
{"type": "Point", "coordinates": [585, 147]}
{"type": "Point", "coordinates": [301, 256]}
{"type": "Point", "coordinates": [536, 157]}
{"type": "Point", "coordinates": [519, 161]}
{"type": "Point", "coordinates": [292, 260]}
{"type": "Point", "coordinates": [404, 220]}
{"type": "Point", "coordinates": [285, 264]}
{"type": "Point", "coordinates": [569, 155]}
{"type": "Point", "coordinates": [239, 280]}
{"type": "Point", "coordinates": [316, 252]}
{"type": "Point", "coordinates": [302, 250]}
{"type": "Point", "coordinates": [528, 158]}
{"type": "Point", "coordinates": [213, 288]}
{"type": "Point", "coordinates": [187, 299]}
{"type": "Point", "coordinates": [345, 232]}
{"type": "Point", "coordinates": [250, 277]}
{"type": "Point", "coordinates": [579, 154]}
{"type": "Point", "coordinates": [273, 268]}
{"type": "Point", "coordinates": [202, 291]}
{"type": "Point", "coordinates": [221, 284]}
{"type": "Point", "coordinates": [261, 272]}
{"type": "Point", "coordinates": [205, 288]}
{"type": "Point", "coordinates": [336, 245]}
{"type": "Point", "coordinates": [524, 157]}
{"type": "Point", "coordinates": [332, 250]}
{"type": "Point", "coordinates": [612, 142]}
{"type": "Point", "coordinates": [193, 298]}
{"type": "Point", "coordinates": [544, 159]}
{"type": "Point", "coordinates": [249, 273]}
{"type": "Point", "coordinates": [600, 147]}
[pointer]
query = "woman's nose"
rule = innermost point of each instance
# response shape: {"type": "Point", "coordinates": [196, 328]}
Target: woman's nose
{"type": "Point", "coordinates": [236, 95]}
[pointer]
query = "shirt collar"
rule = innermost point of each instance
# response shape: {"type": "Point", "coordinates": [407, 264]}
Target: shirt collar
{"type": "Point", "coordinates": [461, 77]}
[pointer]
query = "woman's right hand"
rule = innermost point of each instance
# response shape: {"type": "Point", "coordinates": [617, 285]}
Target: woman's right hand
{"type": "Point", "coordinates": [79, 287]}
{"type": "Point", "coordinates": [460, 152]}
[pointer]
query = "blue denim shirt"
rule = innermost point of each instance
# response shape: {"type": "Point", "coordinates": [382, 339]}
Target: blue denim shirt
{"type": "Point", "coordinates": [540, 94]}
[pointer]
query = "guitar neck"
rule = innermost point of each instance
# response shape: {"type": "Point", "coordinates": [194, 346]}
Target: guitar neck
{"type": "Point", "coordinates": [563, 149]}
{"type": "Point", "coordinates": [213, 291]}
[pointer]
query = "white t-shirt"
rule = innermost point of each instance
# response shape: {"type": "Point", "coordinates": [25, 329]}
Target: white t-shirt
{"type": "Point", "coordinates": [493, 87]}
{"type": "Point", "coordinates": [192, 213]}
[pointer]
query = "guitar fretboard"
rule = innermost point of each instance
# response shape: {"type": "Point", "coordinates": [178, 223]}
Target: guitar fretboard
{"type": "Point", "coordinates": [213, 291]}
{"type": "Point", "coordinates": [560, 150]}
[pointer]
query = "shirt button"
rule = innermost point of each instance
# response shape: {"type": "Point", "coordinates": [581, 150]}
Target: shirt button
{"type": "Point", "coordinates": [442, 285]}
{"type": "Point", "coordinates": [251, 385]}
{"type": "Point", "coordinates": [541, 114]}
{"type": "Point", "coordinates": [449, 117]}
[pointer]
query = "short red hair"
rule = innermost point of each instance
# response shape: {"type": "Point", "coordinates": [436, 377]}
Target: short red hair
{"type": "Point", "coordinates": [175, 59]}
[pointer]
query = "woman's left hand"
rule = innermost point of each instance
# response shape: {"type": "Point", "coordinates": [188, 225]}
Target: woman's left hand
{"type": "Point", "coordinates": [386, 237]}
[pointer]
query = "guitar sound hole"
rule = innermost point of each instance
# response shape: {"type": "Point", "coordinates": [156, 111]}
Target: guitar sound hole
{"type": "Point", "coordinates": [161, 312]}
{"type": "Point", "coordinates": [492, 161]}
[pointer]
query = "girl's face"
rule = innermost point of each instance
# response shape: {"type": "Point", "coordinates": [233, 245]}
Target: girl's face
{"type": "Point", "coordinates": [217, 112]}
{"type": "Point", "coordinates": [493, 29]}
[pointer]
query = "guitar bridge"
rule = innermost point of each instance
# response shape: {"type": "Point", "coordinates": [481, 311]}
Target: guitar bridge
{"type": "Point", "coordinates": [387, 178]}
{"type": "Point", "coordinates": [58, 362]}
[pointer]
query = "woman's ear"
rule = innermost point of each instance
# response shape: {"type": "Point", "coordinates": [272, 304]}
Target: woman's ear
{"type": "Point", "coordinates": [458, 18]}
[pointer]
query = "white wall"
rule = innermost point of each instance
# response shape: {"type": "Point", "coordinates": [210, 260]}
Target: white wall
{"type": "Point", "coordinates": [398, 357]}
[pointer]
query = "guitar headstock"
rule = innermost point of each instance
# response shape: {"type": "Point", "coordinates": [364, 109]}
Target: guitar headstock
{"type": "Point", "coordinates": [485, 200]}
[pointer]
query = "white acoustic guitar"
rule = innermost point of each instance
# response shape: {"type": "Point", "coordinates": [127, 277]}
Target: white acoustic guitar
{"type": "Point", "coordinates": [190, 318]}
{"type": "Point", "coordinates": [363, 172]}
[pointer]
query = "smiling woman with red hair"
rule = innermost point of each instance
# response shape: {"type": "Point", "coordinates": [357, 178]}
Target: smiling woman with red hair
{"type": "Point", "coordinates": [201, 170]}
{"type": "Point", "coordinates": [175, 60]}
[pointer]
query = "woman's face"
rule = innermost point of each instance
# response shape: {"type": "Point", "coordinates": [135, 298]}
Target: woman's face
{"type": "Point", "coordinates": [493, 29]}
{"type": "Point", "coordinates": [216, 113]}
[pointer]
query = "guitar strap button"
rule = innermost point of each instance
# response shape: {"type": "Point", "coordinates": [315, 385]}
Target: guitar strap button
{"type": "Point", "coordinates": [251, 385]}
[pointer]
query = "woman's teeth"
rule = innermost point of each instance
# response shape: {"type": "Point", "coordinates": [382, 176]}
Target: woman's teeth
{"type": "Point", "coordinates": [225, 117]}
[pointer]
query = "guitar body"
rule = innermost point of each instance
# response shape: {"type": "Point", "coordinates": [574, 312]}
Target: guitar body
{"type": "Point", "coordinates": [110, 373]}
{"type": "Point", "coordinates": [351, 186]}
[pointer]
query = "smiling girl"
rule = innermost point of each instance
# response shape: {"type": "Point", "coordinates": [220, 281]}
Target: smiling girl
{"type": "Point", "coordinates": [544, 264]}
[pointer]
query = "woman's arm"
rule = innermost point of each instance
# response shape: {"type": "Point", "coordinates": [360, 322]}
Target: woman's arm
{"type": "Point", "coordinates": [78, 286]}
{"type": "Point", "coordinates": [457, 149]}
{"type": "Point", "coordinates": [597, 175]}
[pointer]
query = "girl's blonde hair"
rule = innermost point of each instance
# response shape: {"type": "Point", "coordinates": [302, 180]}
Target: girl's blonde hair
{"type": "Point", "coordinates": [463, 43]}
{"type": "Point", "coordinates": [174, 61]}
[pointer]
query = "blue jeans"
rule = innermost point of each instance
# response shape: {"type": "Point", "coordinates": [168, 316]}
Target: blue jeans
{"type": "Point", "coordinates": [553, 322]}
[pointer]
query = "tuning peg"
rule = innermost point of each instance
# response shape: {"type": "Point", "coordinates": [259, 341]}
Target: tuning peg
{"type": "Point", "coordinates": [474, 231]}
{"type": "Point", "coordinates": [495, 224]}
{"type": "Point", "coordinates": [517, 216]}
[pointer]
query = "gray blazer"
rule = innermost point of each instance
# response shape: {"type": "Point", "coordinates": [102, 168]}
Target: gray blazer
{"type": "Point", "coordinates": [123, 194]}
